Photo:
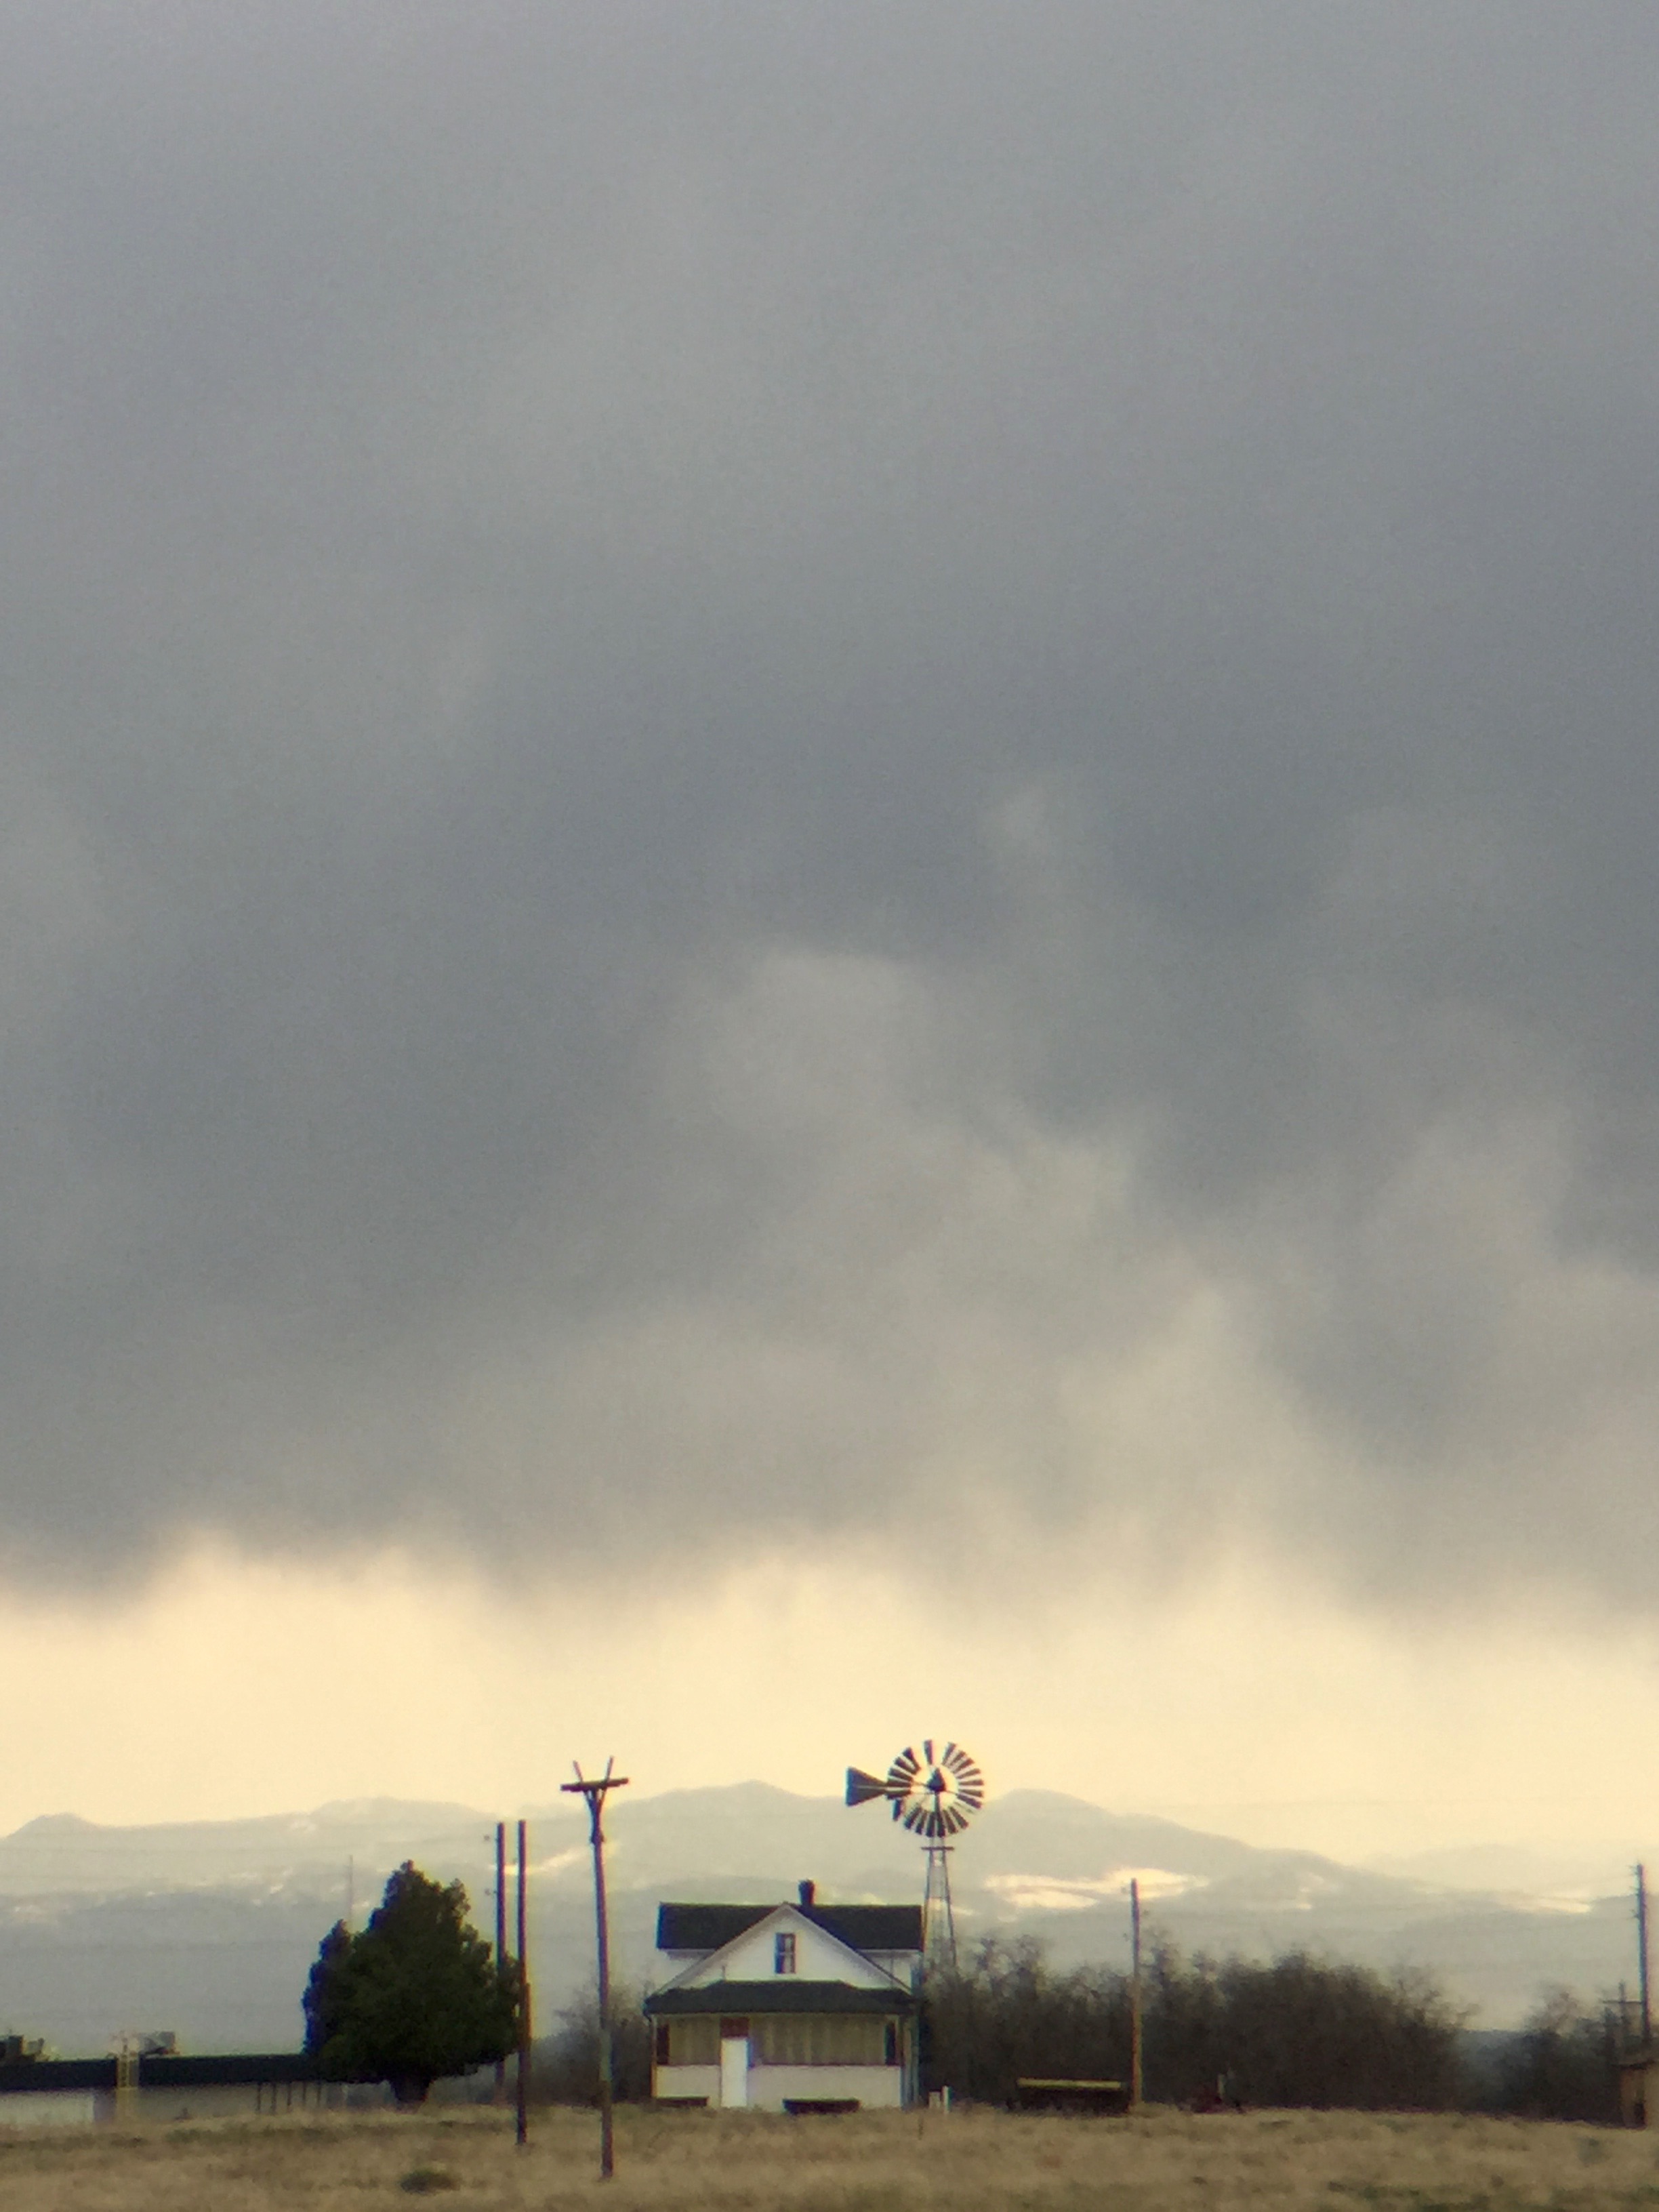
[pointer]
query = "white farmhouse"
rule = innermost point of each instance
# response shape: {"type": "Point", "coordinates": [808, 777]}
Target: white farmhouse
{"type": "Point", "coordinates": [788, 2007]}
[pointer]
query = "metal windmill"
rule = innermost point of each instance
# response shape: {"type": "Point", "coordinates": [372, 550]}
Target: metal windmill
{"type": "Point", "coordinates": [935, 1798]}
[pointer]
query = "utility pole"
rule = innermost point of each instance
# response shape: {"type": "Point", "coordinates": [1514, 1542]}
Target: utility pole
{"type": "Point", "coordinates": [522, 2127]}
{"type": "Point", "coordinates": [1135, 2083]}
{"type": "Point", "coordinates": [594, 1792]}
{"type": "Point", "coordinates": [500, 1938]}
{"type": "Point", "coordinates": [1642, 1956]}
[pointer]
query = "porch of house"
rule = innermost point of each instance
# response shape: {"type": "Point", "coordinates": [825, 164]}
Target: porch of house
{"type": "Point", "coordinates": [782, 2062]}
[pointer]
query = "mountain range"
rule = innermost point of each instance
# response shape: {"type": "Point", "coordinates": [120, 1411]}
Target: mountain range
{"type": "Point", "coordinates": [209, 1927]}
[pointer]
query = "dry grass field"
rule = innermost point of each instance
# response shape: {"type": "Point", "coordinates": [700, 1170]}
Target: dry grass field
{"type": "Point", "coordinates": [739, 2162]}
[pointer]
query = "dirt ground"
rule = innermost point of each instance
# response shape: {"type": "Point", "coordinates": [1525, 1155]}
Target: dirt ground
{"type": "Point", "coordinates": [960, 2162]}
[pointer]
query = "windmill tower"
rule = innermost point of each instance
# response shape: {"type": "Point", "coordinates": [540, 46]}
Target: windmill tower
{"type": "Point", "coordinates": [934, 1797]}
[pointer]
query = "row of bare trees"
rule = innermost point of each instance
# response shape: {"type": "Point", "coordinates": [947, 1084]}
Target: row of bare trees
{"type": "Point", "coordinates": [1297, 2031]}
{"type": "Point", "coordinates": [1563, 2065]}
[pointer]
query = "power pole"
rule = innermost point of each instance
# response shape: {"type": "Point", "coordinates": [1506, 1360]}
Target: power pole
{"type": "Point", "coordinates": [500, 1938]}
{"type": "Point", "coordinates": [594, 1792]}
{"type": "Point", "coordinates": [1135, 2083]}
{"type": "Point", "coordinates": [1642, 1956]}
{"type": "Point", "coordinates": [522, 2128]}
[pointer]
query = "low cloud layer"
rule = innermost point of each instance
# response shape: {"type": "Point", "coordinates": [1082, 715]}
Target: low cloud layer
{"type": "Point", "coordinates": [776, 772]}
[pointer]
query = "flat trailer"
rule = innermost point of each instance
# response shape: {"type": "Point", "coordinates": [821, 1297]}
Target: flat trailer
{"type": "Point", "coordinates": [1058, 2094]}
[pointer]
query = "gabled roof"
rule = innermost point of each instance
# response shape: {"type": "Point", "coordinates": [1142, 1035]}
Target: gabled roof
{"type": "Point", "coordinates": [861, 1927]}
{"type": "Point", "coordinates": [823, 1954]}
{"type": "Point", "coordinates": [736, 1999]}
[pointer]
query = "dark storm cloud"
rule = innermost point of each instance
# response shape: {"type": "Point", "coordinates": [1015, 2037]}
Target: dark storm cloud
{"type": "Point", "coordinates": [728, 731]}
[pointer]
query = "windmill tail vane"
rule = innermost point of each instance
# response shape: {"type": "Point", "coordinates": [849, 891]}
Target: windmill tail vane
{"type": "Point", "coordinates": [861, 1788]}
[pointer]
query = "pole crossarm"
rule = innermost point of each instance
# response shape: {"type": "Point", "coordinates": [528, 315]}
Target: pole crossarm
{"type": "Point", "coordinates": [593, 1787]}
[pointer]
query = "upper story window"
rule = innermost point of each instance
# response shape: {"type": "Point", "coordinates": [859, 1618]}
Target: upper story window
{"type": "Point", "coordinates": [783, 1952]}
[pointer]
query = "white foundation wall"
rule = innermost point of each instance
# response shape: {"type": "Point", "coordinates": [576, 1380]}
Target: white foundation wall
{"type": "Point", "coordinates": [687, 2082]}
{"type": "Point", "coordinates": [874, 2087]}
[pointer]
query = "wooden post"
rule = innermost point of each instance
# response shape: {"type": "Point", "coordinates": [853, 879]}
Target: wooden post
{"type": "Point", "coordinates": [594, 1793]}
{"type": "Point", "coordinates": [1135, 2081]}
{"type": "Point", "coordinates": [522, 2125]}
{"type": "Point", "coordinates": [500, 1938]}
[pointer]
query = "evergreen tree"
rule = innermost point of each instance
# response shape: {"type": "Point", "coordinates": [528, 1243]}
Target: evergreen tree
{"type": "Point", "coordinates": [416, 1996]}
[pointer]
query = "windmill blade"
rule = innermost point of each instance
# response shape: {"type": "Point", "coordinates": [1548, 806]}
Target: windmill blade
{"type": "Point", "coordinates": [861, 1788]}
{"type": "Point", "coordinates": [904, 1770]}
{"type": "Point", "coordinates": [970, 1782]}
{"type": "Point", "coordinates": [927, 1749]}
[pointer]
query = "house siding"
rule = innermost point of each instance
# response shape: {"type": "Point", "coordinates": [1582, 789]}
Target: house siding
{"type": "Point", "coordinates": [836, 2027]}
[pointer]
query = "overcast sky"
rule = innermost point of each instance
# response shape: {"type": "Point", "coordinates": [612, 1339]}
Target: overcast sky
{"type": "Point", "coordinates": [806, 791]}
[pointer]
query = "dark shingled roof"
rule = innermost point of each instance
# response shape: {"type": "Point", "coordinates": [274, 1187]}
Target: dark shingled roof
{"type": "Point", "coordinates": [865, 1927]}
{"type": "Point", "coordinates": [208, 2071]}
{"type": "Point", "coordinates": [785, 1994]}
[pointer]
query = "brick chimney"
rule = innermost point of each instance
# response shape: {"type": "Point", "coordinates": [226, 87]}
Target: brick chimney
{"type": "Point", "coordinates": [809, 1890]}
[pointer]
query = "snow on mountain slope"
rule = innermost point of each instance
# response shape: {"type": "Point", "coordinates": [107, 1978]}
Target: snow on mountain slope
{"type": "Point", "coordinates": [209, 1928]}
